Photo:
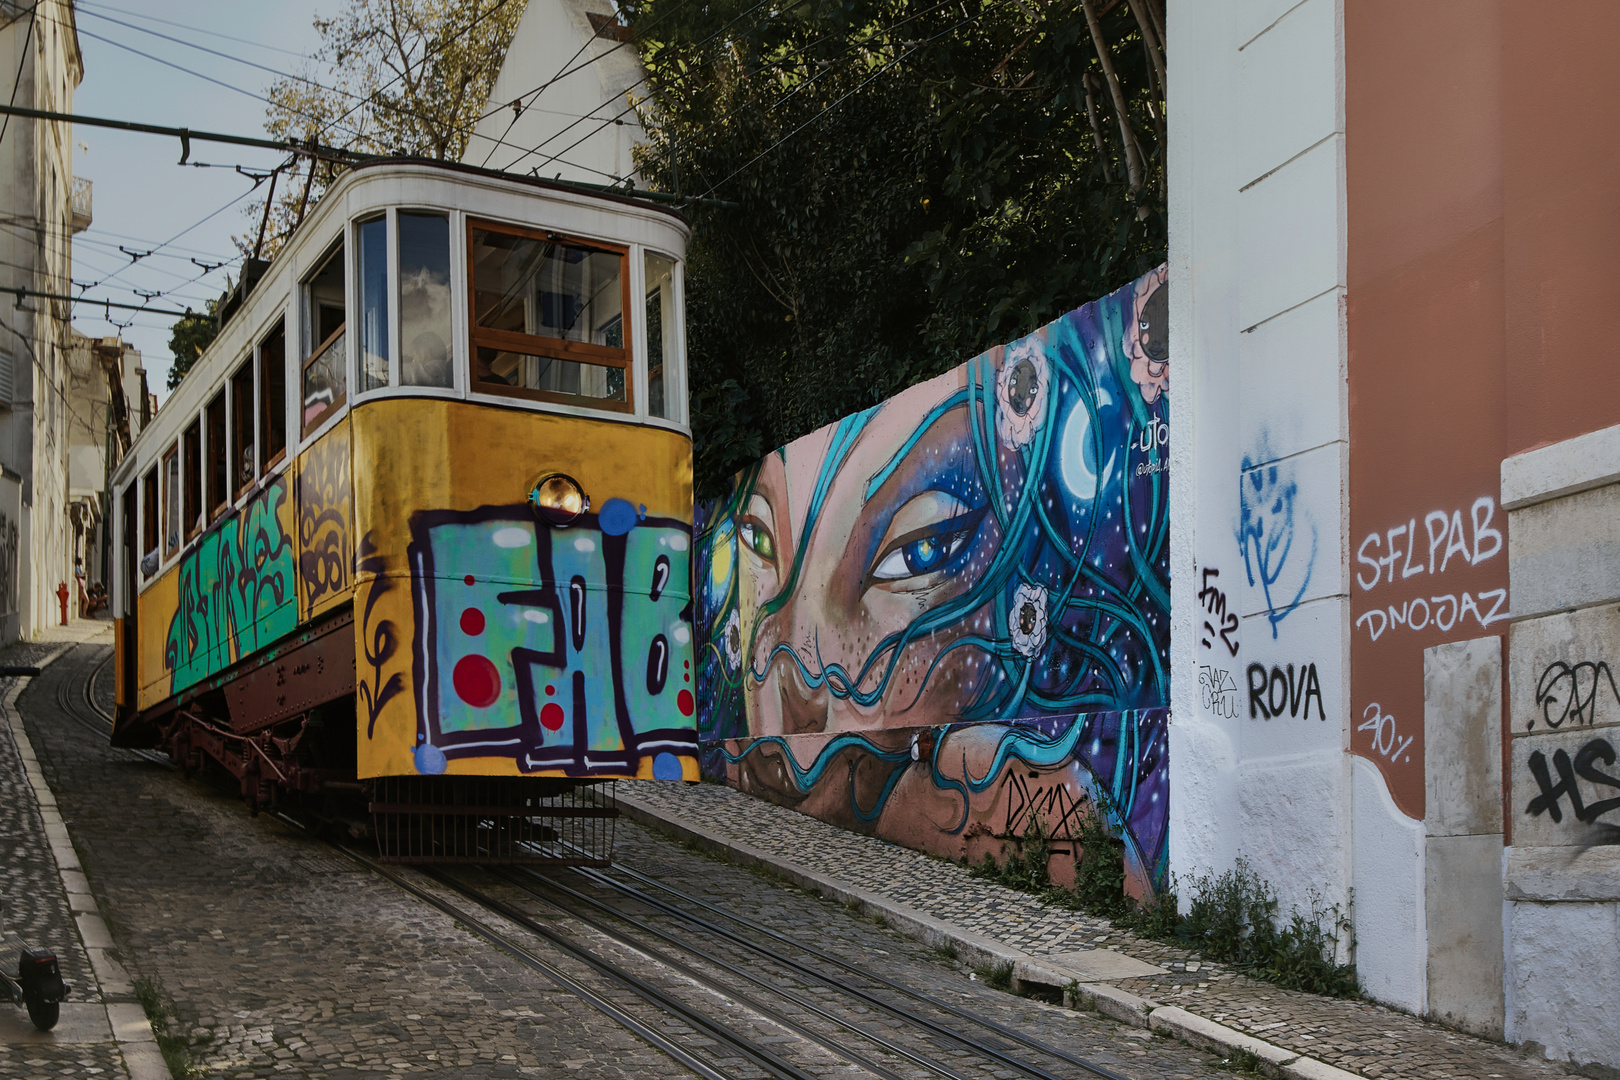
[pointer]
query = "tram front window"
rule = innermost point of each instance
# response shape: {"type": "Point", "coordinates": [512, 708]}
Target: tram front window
{"type": "Point", "coordinates": [548, 317]}
{"type": "Point", "coordinates": [661, 336]}
{"type": "Point", "coordinates": [325, 378]}
{"type": "Point", "coordinates": [424, 300]}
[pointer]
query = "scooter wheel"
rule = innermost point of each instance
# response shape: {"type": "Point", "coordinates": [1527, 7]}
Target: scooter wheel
{"type": "Point", "coordinates": [43, 1013]}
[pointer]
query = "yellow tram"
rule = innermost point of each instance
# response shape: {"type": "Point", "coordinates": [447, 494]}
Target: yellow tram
{"type": "Point", "coordinates": [415, 529]}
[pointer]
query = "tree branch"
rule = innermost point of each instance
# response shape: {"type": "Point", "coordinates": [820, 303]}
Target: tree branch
{"type": "Point", "coordinates": [1133, 156]}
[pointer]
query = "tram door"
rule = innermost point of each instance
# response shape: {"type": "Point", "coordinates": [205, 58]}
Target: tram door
{"type": "Point", "coordinates": [128, 638]}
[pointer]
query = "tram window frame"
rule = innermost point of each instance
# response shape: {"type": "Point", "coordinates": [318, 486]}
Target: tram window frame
{"type": "Point", "coordinates": [169, 508]}
{"type": "Point", "coordinates": [335, 339]}
{"type": "Point", "coordinates": [411, 242]}
{"type": "Point", "coordinates": [150, 528]}
{"type": "Point", "coordinates": [273, 396]}
{"type": "Point", "coordinates": [244, 454]}
{"type": "Point", "coordinates": [482, 339]}
{"type": "Point", "coordinates": [191, 477]}
{"type": "Point", "coordinates": [218, 475]}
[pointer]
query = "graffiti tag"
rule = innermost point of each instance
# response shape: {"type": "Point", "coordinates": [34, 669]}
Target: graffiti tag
{"type": "Point", "coordinates": [1447, 538]}
{"type": "Point", "coordinates": [1386, 737]}
{"type": "Point", "coordinates": [1270, 528]}
{"type": "Point", "coordinates": [1443, 611]}
{"type": "Point", "coordinates": [1218, 691]}
{"type": "Point", "coordinates": [1583, 766]}
{"type": "Point", "coordinates": [1271, 694]}
{"type": "Point", "coordinates": [1561, 688]}
{"type": "Point", "coordinates": [1214, 602]}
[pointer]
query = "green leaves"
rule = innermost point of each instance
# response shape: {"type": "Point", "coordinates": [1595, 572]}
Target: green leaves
{"type": "Point", "coordinates": [917, 181]}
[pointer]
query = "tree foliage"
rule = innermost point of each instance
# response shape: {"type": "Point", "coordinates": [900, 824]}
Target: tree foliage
{"type": "Point", "coordinates": [914, 182]}
{"type": "Point", "coordinates": [405, 77]}
{"type": "Point", "coordinates": [193, 332]}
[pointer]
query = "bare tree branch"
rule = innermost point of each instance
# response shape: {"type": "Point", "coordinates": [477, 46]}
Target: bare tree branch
{"type": "Point", "coordinates": [1133, 153]}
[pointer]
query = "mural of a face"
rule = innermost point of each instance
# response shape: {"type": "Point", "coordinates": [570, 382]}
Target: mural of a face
{"type": "Point", "coordinates": [983, 552]}
{"type": "Point", "coordinates": [1147, 340]}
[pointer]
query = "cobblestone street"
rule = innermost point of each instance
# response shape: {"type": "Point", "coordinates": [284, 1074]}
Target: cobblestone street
{"type": "Point", "coordinates": [274, 956]}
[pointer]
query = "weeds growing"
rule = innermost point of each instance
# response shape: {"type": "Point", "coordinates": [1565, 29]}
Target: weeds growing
{"type": "Point", "coordinates": [1233, 919]}
{"type": "Point", "coordinates": [176, 1049]}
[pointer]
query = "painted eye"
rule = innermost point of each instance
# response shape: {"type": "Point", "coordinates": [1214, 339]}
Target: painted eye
{"type": "Point", "coordinates": [927, 550]}
{"type": "Point", "coordinates": [758, 539]}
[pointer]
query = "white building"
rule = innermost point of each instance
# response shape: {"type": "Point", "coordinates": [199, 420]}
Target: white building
{"type": "Point", "coordinates": [40, 209]}
{"type": "Point", "coordinates": [562, 104]}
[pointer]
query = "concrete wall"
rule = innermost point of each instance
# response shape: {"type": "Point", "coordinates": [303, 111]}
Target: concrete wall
{"type": "Point", "coordinates": [1260, 602]}
{"type": "Point", "coordinates": [1563, 870]}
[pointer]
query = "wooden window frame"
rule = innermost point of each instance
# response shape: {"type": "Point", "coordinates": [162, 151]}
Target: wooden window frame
{"type": "Point", "coordinates": [191, 512]}
{"type": "Point", "coordinates": [552, 348]}
{"type": "Point", "coordinates": [217, 460]}
{"type": "Point", "coordinates": [151, 526]}
{"type": "Point", "coordinates": [265, 410]}
{"type": "Point", "coordinates": [171, 454]}
{"type": "Point", "coordinates": [307, 426]}
{"type": "Point", "coordinates": [239, 429]}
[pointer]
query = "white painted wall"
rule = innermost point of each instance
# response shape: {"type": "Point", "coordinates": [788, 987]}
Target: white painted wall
{"type": "Point", "coordinates": [1260, 457]}
{"type": "Point", "coordinates": [579, 126]}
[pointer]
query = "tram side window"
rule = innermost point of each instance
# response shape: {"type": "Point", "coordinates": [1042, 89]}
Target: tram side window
{"type": "Point", "coordinates": [424, 300]}
{"type": "Point", "coordinates": [325, 374]}
{"type": "Point", "coordinates": [242, 460]}
{"type": "Point", "coordinates": [548, 317]}
{"type": "Point", "coordinates": [171, 501]}
{"type": "Point", "coordinates": [191, 465]}
{"type": "Point", "coordinates": [663, 380]}
{"type": "Point", "coordinates": [273, 394]}
{"type": "Point", "coordinates": [218, 456]}
{"type": "Point", "coordinates": [149, 524]}
{"type": "Point", "coordinates": [372, 240]}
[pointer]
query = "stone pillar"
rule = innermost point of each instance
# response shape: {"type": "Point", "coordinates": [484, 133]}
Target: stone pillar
{"type": "Point", "coordinates": [1563, 868]}
{"type": "Point", "coordinates": [1462, 731]}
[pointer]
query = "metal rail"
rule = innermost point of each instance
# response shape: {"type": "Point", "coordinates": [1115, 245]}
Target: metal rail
{"type": "Point", "coordinates": [92, 717]}
{"type": "Point", "coordinates": [895, 1010]}
{"type": "Point", "coordinates": [808, 1005]}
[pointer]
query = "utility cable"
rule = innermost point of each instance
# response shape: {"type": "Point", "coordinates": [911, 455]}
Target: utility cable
{"type": "Point", "coordinates": [22, 62]}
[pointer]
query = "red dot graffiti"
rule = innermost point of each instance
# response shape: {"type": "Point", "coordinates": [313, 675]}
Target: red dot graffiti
{"type": "Point", "coordinates": [476, 681]}
{"type": "Point", "coordinates": [550, 690]}
{"type": "Point", "coordinates": [686, 703]}
{"type": "Point", "coordinates": [472, 621]}
{"type": "Point", "coordinates": [551, 715]}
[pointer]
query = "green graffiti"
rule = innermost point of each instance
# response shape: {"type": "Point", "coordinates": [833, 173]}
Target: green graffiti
{"type": "Point", "coordinates": [235, 591]}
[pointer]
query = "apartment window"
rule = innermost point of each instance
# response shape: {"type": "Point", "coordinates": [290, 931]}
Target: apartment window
{"type": "Point", "coordinates": [149, 521]}
{"type": "Point", "coordinates": [191, 468]}
{"type": "Point", "coordinates": [171, 501]}
{"type": "Point", "coordinates": [424, 300]}
{"type": "Point", "coordinates": [219, 491]}
{"type": "Point", "coordinates": [548, 317]}
{"type": "Point", "coordinates": [243, 462]}
{"type": "Point", "coordinates": [663, 380]}
{"type": "Point", "coordinates": [325, 370]}
{"type": "Point", "coordinates": [371, 238]}
{"type": "Point", "coordinates": [273, 394]}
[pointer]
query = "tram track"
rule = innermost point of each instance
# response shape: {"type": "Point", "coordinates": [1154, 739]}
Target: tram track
{"type": "Point", "coordinates": [83, 709]}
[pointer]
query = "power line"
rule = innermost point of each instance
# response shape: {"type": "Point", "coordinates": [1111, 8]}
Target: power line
{"type": "Point", "coordinates": [87, 4]}
{"type": "Point", "coordinates": [22, 62]}
{"type": "Point", "coordinates": [21, 292]}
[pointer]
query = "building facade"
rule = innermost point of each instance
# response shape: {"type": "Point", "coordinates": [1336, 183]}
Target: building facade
{"type": "Point", "coordinates": [1396, 467]}
{"type": "Point", "coordinates": [39, 54]}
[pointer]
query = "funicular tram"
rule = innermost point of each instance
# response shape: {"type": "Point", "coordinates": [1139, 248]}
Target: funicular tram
{"type": "Point", "coordinates": [408, 547]}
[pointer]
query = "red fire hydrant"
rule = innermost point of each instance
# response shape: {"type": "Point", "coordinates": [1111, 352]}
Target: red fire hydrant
{"type": "Point", "coordinates": [62, 597]}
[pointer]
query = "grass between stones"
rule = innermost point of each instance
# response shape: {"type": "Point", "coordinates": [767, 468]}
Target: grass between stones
{"type": "Point", "coordinates": [1232, 919]}
{"type": "Point", "coordinates": [176, 1049]}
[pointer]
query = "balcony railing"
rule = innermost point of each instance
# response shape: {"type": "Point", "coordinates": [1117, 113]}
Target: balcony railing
{"type": "Point", "coordinates": [81, 204]}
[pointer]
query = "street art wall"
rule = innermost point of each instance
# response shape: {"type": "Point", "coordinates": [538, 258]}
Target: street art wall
{"type": "Point", "coordinates": [946, 618]}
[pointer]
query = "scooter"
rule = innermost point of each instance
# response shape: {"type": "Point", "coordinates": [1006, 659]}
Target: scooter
{"type": "Point", "coordinates": [37, 987]}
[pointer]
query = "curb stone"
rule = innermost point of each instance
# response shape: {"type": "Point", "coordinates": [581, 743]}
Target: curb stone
{"type": "Point", "coordinates": [127, 1021]}
{"type": "Point", "coordinates": [977, 949]}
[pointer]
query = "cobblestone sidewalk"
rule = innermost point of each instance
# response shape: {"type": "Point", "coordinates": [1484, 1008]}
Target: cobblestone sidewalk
{"type": "Point", "coordinates": [1357, 1036]}
{"type": "Point", "coordinates": [37, 911]}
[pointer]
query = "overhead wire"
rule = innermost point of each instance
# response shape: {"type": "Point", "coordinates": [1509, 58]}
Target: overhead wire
{"type": "Point", "coordinates": [22, 62]}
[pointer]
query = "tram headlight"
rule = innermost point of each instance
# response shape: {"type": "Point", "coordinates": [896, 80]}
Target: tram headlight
{"type": "Point", "coordinates": [558, 500]}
